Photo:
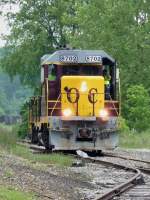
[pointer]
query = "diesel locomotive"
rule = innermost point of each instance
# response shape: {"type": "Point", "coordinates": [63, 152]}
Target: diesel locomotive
{"type": "Point", "coordinates": [74, 110]}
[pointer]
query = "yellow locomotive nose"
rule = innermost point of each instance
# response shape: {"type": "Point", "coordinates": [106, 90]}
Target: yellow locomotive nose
{"type": "Point", "coordinates": [84, 86]}
{"type": "Point", "coordinates": [82, 95]}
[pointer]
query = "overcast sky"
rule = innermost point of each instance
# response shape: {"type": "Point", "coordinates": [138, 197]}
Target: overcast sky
{"type": "Point", "coordinates": [4, 28]}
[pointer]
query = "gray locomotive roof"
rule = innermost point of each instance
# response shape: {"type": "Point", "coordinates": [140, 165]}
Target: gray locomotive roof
{"type": "Point", "coordinates": [77, 56]}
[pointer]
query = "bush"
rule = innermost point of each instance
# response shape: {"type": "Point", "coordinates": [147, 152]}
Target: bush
{"type": "Point", "coordinates": [122, 125]}
{"type": "Point", "coordinates": [136, 109]}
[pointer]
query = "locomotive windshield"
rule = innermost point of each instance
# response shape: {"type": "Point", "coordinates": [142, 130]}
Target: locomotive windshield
{"type": "Point", "coordinates": [86, 70]}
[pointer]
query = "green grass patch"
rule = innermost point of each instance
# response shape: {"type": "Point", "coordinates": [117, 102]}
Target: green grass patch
{"type": "Point", "coordinates": [12, 194]}
{"type": "Point", "coordinates": [54, 158]}
{"type": "Point", "coordinates": [132, 139]}
{"type": "Point", "coordinates": [8, 136]}
{"type": "Point", "coordinates": [8, 173]}
{"type": "Point", "coordinates": [8, 139]}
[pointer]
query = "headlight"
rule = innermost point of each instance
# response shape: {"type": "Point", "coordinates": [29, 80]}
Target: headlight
{"type": "Point", "coordinates": [67, 112]}
{"type": "Point", "coordinates": [83, 87]}
{"type": "Point", "coordinates": [104, 115]}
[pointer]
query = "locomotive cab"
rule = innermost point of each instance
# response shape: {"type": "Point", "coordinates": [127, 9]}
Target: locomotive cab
{"type": "Point", "coordinates": [75, 111]}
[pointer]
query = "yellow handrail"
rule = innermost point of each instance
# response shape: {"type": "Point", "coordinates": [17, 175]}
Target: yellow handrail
{"type": "Point", "coordinates": [53, 110]}
{"type": "Point", "coordinates": [116, 112]}
{"type": "Point", "coordinates": [114, 105]}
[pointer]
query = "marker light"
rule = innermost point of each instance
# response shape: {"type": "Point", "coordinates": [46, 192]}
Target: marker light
{"type": "Point", "coordinates": [83, 87]}
{"type": "Point", "coordinates": [104, 115]}
{"type": "Point", "coordinates": [67, 112]}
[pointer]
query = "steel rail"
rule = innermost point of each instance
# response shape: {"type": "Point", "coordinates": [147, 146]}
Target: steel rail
{"type": "Point", "coordinates": [126, 158]}
{"type": "Point", "coordinates": [122, 187]}
{"type": "Point", "coordinates": [144, 170]}
{"type": "Point", "coordinates": [118, 189]}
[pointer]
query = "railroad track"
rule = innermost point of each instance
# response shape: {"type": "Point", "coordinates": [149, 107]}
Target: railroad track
{"type": "Point", "coordinates": [36, 148]}
{"type": "Point", "coordinates": [142, 165]}
{"type": "Point", "coordinates": [136, 179]}
{"type": "Point", "coordinates": [129, 188]}
{"type": "Point", "coordinates": [129, 158]}
{"type": "Point", "coordinates": [139, 192]}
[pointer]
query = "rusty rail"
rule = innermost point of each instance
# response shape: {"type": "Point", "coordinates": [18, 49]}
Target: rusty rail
{"type": "Point", "coordinates": [143, 169]}
{"type": "Point", "coordinates": [122, 187]}
{"type": "Point", "coordinates": [137, 178]}
{"type": "Point", "coordinates": [126, 158]}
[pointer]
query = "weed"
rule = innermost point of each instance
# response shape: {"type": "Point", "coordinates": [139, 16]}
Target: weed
{"type": "Point", "coordinates": [8, 173]}
{"type": "Point", "coordinates": [133, 139]}
{"type": "Point", "coordinates": [13, 194]}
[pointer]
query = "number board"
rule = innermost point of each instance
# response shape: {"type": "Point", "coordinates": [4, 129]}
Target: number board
{"type": "Point", "coordinates": [93, 59]}
{"type": "Point", "coordinates": [75, 59]}
{"type": "Point", "coordinates": [69, 58]}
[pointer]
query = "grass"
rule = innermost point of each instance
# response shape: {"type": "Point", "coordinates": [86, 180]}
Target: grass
{"type": "Point", "coordinates": [131, 139]}
{"type": "Point", "coordinates": [54, 158]}
{"type": "Point", "coordinates": [8, 139]}
{"type": "Point", "coordinates": [8, 136]}
{"type": "Point", "coordinates": [12, 194]}
{"type": "Point", "coordinates": [8, 173]}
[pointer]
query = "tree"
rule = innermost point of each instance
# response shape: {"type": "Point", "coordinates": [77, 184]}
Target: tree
{"type": "Point", "coordinates": [12, 93]}
{"type": "Point", "coordinates": [36, 29]}
{"type": "Point", "coordinates": [137, 108]}
{"type": "Point", "coordinates": [121, 28]}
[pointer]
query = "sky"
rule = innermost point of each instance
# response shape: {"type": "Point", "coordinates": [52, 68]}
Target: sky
{"type": "Point", "coordinates": [4, 28]}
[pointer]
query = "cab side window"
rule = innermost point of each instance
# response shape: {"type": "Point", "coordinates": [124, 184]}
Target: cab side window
{"type": "Point", "coordinates": [52, 73]}
{"type": "Point", "coordinates": [107, 83]}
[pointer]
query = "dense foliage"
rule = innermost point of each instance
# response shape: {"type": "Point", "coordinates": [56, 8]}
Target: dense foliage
{"type": "Point", "coordinates": [12, 93]}
{"type": "Point", "coordinates": [37, 29]}
{"type": "Point", "coordinates": [137, 108]}
{"type": "Point", "coordinates": [119, 27]}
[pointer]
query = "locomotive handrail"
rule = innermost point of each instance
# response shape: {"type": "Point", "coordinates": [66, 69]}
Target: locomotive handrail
{"type": "Point", "coordinates": [116, 111]}
{"type": "Point", "coordinates": [50, 108]}
{"type": "Point", "coordinates": [47, 99]}
{"type": "Point", "coordinates": [53, 110]}
{"type": "Point", "coordinates": [114, 101]}
{"type": "Point", "coordinates": [114, 106]}
{"type": "Point", "coordinates": [50, 101]}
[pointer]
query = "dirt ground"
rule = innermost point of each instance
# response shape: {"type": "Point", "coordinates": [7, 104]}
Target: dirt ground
{"type": "Point", "coordinates": [47, 182]}
{"type": "Point", "coordinates": [58, 183]}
